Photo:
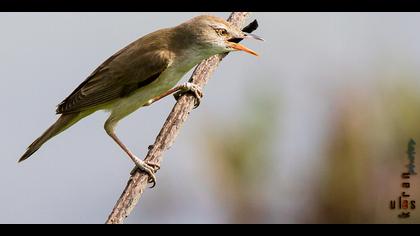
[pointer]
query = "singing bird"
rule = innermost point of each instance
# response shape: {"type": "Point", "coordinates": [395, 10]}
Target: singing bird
{"type": "Point", "coordinates": [142, 73]}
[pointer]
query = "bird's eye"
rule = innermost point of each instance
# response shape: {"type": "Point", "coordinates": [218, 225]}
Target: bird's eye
{"type": "Point", "coordinates": [221, 31]}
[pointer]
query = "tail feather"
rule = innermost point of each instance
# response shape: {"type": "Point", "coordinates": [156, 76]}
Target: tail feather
{"type": "Point", "coordinates": [63, 122]}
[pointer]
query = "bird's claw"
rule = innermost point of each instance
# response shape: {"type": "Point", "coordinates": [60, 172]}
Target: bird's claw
{"type": "Point", "coordinates": [155, 166]}
{"type": "Point", "coordinates": [193, 88]}
{"type": "Point", "coordinates": [149, 168]}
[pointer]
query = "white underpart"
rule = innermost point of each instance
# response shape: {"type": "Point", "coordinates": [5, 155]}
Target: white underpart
{"type": "Point", "coordinates": [167, 80]}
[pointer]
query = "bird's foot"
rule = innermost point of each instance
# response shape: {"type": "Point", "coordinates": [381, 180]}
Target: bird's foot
{"type": "Point", "coordinates": [149, 168]}
{"type": "Point", "coordinates": [155, 166]}
{"type": "Point", "coordinates": [193, 88]}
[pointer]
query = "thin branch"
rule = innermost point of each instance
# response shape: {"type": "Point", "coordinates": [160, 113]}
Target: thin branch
{"type": "Point", "coordinates": [167, 135]}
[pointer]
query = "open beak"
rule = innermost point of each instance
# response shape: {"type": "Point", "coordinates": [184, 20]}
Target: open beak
{"type": "Point", "coordinates": [233, 43]}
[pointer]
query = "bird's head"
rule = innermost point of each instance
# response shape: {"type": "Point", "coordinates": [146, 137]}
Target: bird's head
{"type": "Point", "coordinates": [214, 35]}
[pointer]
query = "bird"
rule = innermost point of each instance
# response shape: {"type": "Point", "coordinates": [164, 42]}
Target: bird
{"type": "Point", "coordinates": [142, 73]}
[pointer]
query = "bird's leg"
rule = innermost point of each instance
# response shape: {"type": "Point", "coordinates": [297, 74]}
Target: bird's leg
{"type": "Point", "coordinates": [149, 168]}
{"type": "Point", "coordinates": [180, 90]}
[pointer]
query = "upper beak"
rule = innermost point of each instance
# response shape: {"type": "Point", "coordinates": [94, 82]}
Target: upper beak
{"type": "Point", "coordinates": [235, 45]}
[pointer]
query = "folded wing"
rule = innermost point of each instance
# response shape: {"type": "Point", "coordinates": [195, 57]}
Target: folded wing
{"type": "Point", "coordinates": [134, 66]}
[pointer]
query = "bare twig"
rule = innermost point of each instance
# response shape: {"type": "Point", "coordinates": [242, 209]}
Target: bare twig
{"type": "Point", "coordinates": [179, 114]}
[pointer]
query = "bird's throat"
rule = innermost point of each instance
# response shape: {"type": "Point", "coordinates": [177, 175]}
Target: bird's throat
{"type": "Point", "coordinates": [189, 59]}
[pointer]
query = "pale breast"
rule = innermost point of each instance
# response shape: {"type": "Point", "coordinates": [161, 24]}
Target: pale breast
{"type": "Point", "coordinates": [167, 80]}
{"type": "Point", "coordinates": [124, 106]}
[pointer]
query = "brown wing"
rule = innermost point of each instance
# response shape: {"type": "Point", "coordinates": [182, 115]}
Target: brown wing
{"type": "Point", "coordinates": [124, 72]}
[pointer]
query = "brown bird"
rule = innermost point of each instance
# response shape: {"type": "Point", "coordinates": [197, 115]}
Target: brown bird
{"type": "Point", "coordinates": [142, 73]}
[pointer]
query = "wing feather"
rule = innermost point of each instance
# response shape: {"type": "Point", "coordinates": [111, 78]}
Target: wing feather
{"type": "Point", "coordinates": [126, 71]}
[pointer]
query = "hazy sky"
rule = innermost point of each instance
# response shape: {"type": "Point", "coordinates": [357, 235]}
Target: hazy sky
{"type": "Point", "coordinates": [77, 176]}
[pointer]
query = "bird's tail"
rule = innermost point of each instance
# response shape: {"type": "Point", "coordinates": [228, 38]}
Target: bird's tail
{"type": "Point", "coordinates": [63, 122]}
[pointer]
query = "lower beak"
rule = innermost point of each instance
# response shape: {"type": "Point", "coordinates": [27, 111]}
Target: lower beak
{"type": "Point", "coordinates": [240, 47]}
